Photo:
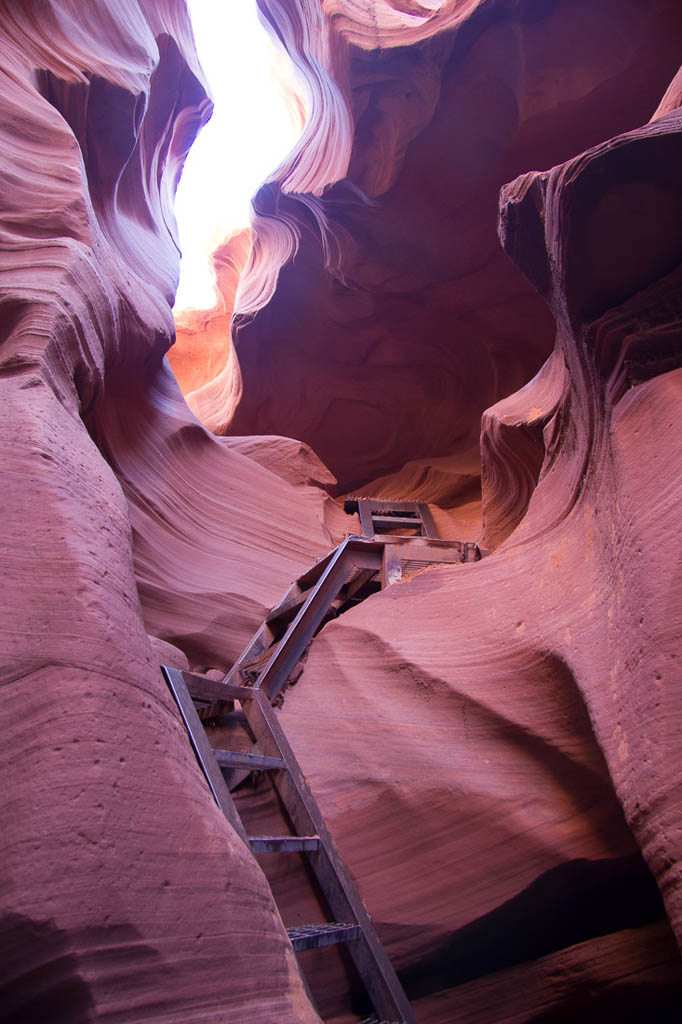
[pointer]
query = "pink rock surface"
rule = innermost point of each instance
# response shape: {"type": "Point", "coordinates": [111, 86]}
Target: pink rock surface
{"type": "Point", "coordinates": [202, 347]}
{"type": "Point", "coordinates": [628, 975]}
{"type": "Point", "coordinates": [505, 735]}
{"type": "Point", "coordinates": [495, 745]}
{"type": "Point", "coordinates": [217, 536]}
{"type": "Point", "coordinates": [398, 321]}
{"type": "Point", "coordinates": [125, 893]}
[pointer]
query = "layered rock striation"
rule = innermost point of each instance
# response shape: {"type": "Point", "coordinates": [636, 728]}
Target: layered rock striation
{"type": "Point", "coordinates": [396, 319]}
{"type": "Point", "coordinates": [124, 891]}
{"type": "Point", "coordinates": [202, 348]}
{"type": "Point", "coordinates": [495, 745]}
{"type": "Point", "coordinates": [513, 723]}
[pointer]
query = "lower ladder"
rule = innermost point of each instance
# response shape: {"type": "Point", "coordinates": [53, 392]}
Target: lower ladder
{"type": "Point", "coordinates": [352, 924]}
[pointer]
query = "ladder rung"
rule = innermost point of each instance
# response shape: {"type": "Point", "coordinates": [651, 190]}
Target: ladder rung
{"type": "Point", "coordinates": [211, 691]}
{"type": "Point", "coordinates": [254, 665]}
{"type": "Point", "coordinates": [312, 575]}
{"type": "Point", "coordinates": [375, 1020]}
{"type": "Point", "coordinates": [395, 521]}
{"type": "Point", "coordinates": [315, 936]}
{"type": "Point", "coordinates": [289, 605]}
{"type": "Point", "coordinates": [284, 844]}
{"type": "Point", "coordinates": [254, 762]}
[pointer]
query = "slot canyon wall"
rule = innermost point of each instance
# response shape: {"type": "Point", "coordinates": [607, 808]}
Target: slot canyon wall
{"type": "Point", "coordinates": [124, 892]}
{"type": "Point", "coordinates": [496, 745]}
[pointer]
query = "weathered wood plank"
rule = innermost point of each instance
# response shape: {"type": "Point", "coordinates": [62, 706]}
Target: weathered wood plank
{"type": "Point", "coordinates": [381, 504]}
{"type": "Point", "coordinates": [312, 575]}
{"type": "Point", "coordinates": [293, 600]}
{"type": "Point", "coordinates": [397, 522]}
{"type": "Point", "coordinates": [213, 690]}
{"type": "Point", "coordinates": [351, 588]}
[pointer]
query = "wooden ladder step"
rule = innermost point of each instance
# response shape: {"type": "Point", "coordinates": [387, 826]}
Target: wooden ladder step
{"type": "Point", "coordinates": [316, 936]}
{"type": "Point", "coordinates": [210, 690]}
{"type": "Point", "coordinates": [395, 521]}
{"type": "Point", "coordinates": [376, 1020]}
{"type": "Point", "coordinates": [252, 667]}
{"type": "Point", "coordinates": [289, 605]}
{"type": "Point", "coordinates": [252, 762]}
{"type": "Point", "coordinates": [284, 844]}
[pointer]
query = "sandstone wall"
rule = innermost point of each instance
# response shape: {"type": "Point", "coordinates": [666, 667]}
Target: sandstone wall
{"type": "Point", "coordinates": [399, 320]}
{"type": "Point", "coordinates": [505, 734]}
{"type": "Point", "coordinates": [495, 745]}
{"type": "Point", "coordinates": [124, 892]}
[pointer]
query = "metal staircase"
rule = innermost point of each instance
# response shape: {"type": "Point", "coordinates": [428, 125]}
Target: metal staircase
{"type": "Point", "coordinates": [357, 567]}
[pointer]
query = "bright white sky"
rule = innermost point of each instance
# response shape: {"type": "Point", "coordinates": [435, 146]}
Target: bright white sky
{"type": "Point", "coordinates": [251, 131]}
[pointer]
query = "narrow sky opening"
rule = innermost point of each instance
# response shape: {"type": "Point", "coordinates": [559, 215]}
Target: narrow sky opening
{"type": "Point", "coordinates": [257, 119]}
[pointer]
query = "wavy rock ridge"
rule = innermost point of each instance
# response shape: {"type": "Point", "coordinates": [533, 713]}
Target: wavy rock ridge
{"type": "Point", "coordinates": [124, 890]}
{"type": "Point", "coordinates": [495, 745]}
{"type": "Point", "coordinates": [527, 706]}
{"type": "Point", "coordinates": [409, 319]}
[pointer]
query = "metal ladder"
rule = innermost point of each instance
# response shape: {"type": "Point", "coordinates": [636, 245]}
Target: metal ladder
{"type": "Point", "coordinates": [380, 516]}
{"type": "Point", "coordinates": [356, 567]}
{"type": "Point", "coordinates": [352, 924]}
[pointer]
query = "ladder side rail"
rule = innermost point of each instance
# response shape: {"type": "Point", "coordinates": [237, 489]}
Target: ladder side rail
{"type": "Point", "coordinates": [302, 628]}
{"type": "Point", "coordinates": [391, 566]}
{"type": "Point", "coordinates": [366, 520]}
{"type": "Point", "coordinates": [428, 522]}
{"type": "Point", "coordinates": [367, 953]}
{"type": "Point", "coordinates": [335, 880]}
{"type": "Point", "coordinates": [202, 749]}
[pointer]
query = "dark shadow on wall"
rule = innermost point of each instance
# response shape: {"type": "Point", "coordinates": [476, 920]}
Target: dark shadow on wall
{"type": "Point", "coordinates": [40, 978]}
{"type": "Point", "coordinates": [571, 903]}
{"type": "Point", "coordinates": [643, 1003]}
{"type": "Point", "coordinates": [52, 976]}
